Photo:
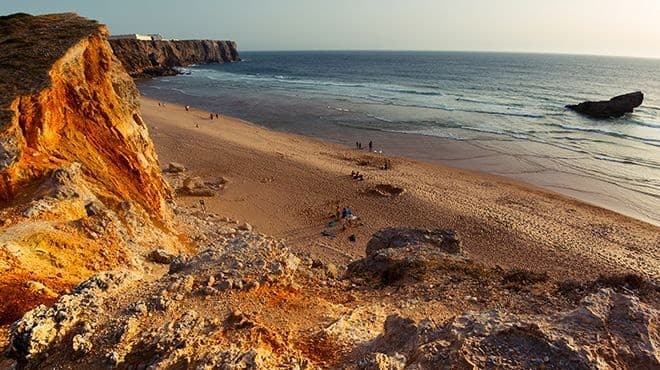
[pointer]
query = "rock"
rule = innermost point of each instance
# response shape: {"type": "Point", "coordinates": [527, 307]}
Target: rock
{"type": "Point", "coordinates": [159, 57]}
{"type": "Point", "coordinates": [331, 271]}
{"type": "Point", "coordinates": [445, 240]}
{"type": "Point", "coordinates": [615, 107]}
{"type": "Point", "coordinates": [195, 186]}
{"type": "Point", "coordinates": [33, 335]}
{"type": "Point", "coordinates": [39, 288]}
{"type": "Point", "coordinates": [174, 167]}
{"type": "Point", "coordinates": [72, 133]}
{"type": "Point", "coordinates": [386, 190]}
{"type": "Point", "coordinates": [81, 343]}
{"type": "Point", "coordinates": [381, 361]}
{"type": "Point", "coordinates": [93, 208]}
{"type": "Point", "coordinates": [608, 330]}
{"type": "Point", "coordinates": [245, 227]}
{"type": "Point", "coordinates": [161, 256]}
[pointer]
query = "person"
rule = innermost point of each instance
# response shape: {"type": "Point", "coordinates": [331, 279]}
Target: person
{"type": "Point", "coordinates": [159, 104]}
{"type": "Point", "coordinates": [202, 204]}
{"type": "Point", "coordinates": [187, 108]}
{"type": "Point", "coordinates": [357, 145]}
{"type": "Point", "coordinates": [371, 146]}
{"type": "Point", "coordinates": [360, 145]}
{"type": "Point", "coordinates": [217, 115]}
{"type": "Point", "coordinates": [211, 116]}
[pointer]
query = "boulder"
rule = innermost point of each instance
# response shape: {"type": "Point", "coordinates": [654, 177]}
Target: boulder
{"type": "Point", "coordinates": [174, 167]}
{"type": "Point", "coordinates": [446, 240]}
{"type": "Point", "coordinates": [615, 107]}
{"type": "Point", "coordinates": [161, 256]}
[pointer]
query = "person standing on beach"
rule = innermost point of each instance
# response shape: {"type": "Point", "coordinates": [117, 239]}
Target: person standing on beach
{"type": "Point", "coordinates": [371, 145]}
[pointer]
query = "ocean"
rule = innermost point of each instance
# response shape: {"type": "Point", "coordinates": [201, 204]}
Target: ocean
{"type": "Point", "coordinates": [507, 108]}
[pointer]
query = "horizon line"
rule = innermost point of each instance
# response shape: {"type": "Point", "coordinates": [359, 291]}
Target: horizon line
{"type": "Point", "coordinates": [456, 51]}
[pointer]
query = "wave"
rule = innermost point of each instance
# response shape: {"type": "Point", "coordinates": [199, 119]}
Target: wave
{"type": "Point", "coordinates": [601, 131]}
{"type": "Point", "coordinates": [645, 124]}
{"type": "Point", "coordinates": [414, 92]}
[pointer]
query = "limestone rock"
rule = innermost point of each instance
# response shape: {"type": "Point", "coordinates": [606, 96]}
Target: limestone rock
{"type": "Point", "coordinates": [161, 256]}
{"type": "Point", "coordinates": [195, 186]}
{"type": "Point", "coordinates": [608, 330]}
{"type": "Point", "coordinates": [160, 57]}
{"type": "Point", "coordinates": [71, 132]}
{"type": "Point", "coordinates": [445, 240]}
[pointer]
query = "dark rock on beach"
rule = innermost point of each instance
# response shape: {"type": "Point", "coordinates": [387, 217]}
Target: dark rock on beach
{"type": "Point", "coordinates": [615, 107]}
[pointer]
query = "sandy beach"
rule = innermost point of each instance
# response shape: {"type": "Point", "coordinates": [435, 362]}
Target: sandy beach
{"type": "Point", "coordinates": [288, 186]}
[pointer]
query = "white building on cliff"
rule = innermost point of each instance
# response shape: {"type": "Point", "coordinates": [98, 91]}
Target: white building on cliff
{"type": "Point", "coordinates": [137, 36]}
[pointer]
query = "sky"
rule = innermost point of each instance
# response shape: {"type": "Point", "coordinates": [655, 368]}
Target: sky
{"type": "Point", "coordinates": [601, 27]}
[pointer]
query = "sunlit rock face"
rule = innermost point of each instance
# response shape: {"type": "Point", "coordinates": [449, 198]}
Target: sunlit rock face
{"type": "Point", "coordinates": [79, 177]}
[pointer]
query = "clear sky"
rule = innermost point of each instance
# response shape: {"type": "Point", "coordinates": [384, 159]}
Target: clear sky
{"type": "Point", "coordinates": [609, 27]}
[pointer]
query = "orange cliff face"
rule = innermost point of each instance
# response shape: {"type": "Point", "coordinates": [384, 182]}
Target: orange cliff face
{"type": "Point", "coordinates": [80, 183]}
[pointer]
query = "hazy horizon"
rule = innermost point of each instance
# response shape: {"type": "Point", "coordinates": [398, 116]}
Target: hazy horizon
{"type": "Point", "coordinates": [592, 27]}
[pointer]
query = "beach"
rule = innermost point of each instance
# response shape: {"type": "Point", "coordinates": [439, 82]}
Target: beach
{"type": "Point", "coordinates": [289, 186]}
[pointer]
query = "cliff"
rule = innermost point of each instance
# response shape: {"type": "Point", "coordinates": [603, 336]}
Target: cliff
{"type": "Point", "coordinates": [80, 183]}
{"type": "Point", "coordinates": [158, 58]}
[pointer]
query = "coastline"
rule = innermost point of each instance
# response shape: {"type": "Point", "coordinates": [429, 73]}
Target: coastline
{"type": "Point", "coordinates": [529, 162]}
{"type": "Point", "coordinates": [286, 185]}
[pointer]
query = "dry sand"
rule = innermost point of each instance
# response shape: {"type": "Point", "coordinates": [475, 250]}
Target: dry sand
{"type": "Point", "coordinates": [287, 186]}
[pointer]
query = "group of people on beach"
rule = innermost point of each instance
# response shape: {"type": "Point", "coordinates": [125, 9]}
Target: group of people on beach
{"type": "Point", "coordinates": [358, 145]}
{"type": "Point", "coordinates": [345, 217]}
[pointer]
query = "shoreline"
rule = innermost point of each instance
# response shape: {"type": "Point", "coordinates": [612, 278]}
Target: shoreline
{"type": "Point", "coordinates": [286, 185]}
{"type": "Point", "coordinates": [526, 162]}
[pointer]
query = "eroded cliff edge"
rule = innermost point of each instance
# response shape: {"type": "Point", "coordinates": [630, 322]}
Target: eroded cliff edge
{"type": "Point", "coordinates": [160, 57]}
{"type": "Point", "coordinates": [80, 183]}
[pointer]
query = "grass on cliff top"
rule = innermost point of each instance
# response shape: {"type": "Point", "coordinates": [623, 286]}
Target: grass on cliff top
{"type": "Point", "coordinates": [29, 45]}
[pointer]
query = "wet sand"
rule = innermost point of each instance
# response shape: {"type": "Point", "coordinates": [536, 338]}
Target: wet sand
{"type": "Point", "coordinates": [287, 186]}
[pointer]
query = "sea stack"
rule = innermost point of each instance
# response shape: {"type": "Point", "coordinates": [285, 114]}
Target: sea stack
{"type": "Point", "coordinates": [615, 107]}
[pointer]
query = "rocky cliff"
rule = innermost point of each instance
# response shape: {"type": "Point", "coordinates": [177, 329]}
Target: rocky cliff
{"type": "Point", "coordinates": [158, 58]}
{"type": "Point", "coordinates": [80, 183]}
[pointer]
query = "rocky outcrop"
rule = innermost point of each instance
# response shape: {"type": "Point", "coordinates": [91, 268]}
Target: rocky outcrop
{"type": "Point", "coordinates": [615, 107]}
{"type": "Point", "coordinates": [104, 323]}
{"type": "Point", "coordinates": [248, 302]}
{"type": "Point", "coordinates": [608, 330]}
{"type": "Point", "coordinates": [160, 57]}
{"type": "Point", "coordinates": [80, 181]}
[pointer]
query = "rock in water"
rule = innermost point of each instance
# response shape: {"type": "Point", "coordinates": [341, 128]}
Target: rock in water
{"type": "Point", "coordinates": [615, 107]}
